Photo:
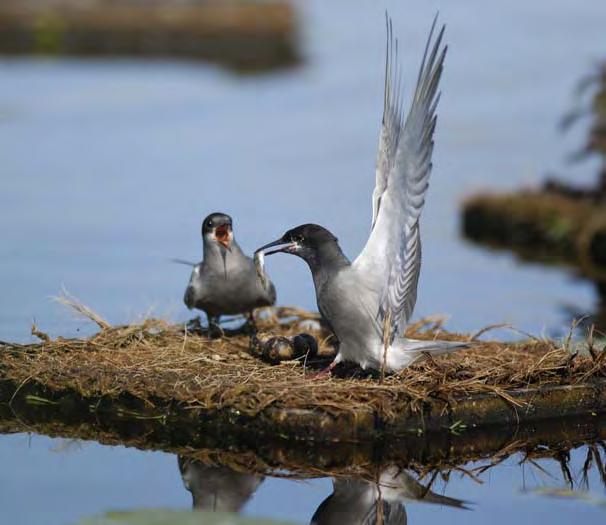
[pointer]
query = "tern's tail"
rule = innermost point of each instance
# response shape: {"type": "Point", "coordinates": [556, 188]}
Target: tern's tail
{"type": "Point", "coordinates": [399, 485]}
{"type": "Point", "coordinates": [432, 347]}
{"type": "Point", "coordinates": [403, 352]}
{"type": "Point", "coordinates": [439, 499]}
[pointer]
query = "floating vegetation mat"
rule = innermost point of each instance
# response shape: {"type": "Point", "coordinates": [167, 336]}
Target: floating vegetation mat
{"type": "Point", "coordinates": [269, 455]}
{"type": "Point", "coordinates": [158, 371]}
{"type": "Point", "coordinates": [559, 222]}
{"type": "Point", "coordinates": [246, 36]}
{"type": "Point", "coordinates": [541, 225]}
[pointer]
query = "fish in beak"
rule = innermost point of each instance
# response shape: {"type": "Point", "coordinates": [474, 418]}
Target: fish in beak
{"type": "Point", "coordinates": [282, 246]}
{"type": "Point", "coordinates": [259, 256]}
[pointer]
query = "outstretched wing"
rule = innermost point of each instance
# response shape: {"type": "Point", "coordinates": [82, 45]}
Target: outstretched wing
{"type": "Point", "coordinates": [391, 259]}
{"type": "Point", "coordinates": [391, 123]}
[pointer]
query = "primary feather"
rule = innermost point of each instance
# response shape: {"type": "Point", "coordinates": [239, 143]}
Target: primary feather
{"type": "Point", "coordinates": [368, 303]}
{"type": "Point", "coordinates": [392, 255]}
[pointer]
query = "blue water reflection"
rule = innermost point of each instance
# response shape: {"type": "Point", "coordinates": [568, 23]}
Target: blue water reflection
{"type": "Point", "coordinates": [116, 478]}
{"type": "Point", "coordinates": [107, 168]}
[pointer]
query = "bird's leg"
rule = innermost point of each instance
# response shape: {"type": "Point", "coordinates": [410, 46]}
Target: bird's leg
{"type": "Point", "coordinates": [250, 326]}
{"type": "Point", "coordinates": [214, 329]}
{"type": "Point", "coordinates": [326, 372]}
{"type": "Point", "coordinates": [194, 326]}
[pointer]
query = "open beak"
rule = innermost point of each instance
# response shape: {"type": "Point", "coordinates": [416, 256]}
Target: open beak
{"type": "Point", "coordinates": [283, 246]}
{"type": "Point", "coordinates": [222, 235]}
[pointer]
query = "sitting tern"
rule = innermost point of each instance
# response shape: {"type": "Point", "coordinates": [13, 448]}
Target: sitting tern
{"type": "Point", "coordinates": [226, 281]}
{"type": "Point", "coordinates": [368, 303]}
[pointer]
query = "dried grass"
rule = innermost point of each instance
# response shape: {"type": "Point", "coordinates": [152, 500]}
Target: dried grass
{"type": "Point", "coordinates": [158, 360]}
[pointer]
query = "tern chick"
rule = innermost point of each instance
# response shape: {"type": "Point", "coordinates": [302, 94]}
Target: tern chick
{"type": "Point", "coordinates": [226, 282]}
{"type": "Point", "coordinates": [368, 303]}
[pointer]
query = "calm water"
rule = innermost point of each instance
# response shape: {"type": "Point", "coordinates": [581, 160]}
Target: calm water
{"type": "Point", "coordinates": [107, 168]}
{"type": "Point", "coordinates": [50, 481]}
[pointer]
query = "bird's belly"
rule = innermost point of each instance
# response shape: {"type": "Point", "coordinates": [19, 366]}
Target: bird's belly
{"type": "Point", "coordinates": [361, 343]}
{"type": "Point", "coordinates": [355, 326]}
{"type": "Point", "coordinates": [360, 346]}
{"type": "Point", "coordinates": [231, 296]}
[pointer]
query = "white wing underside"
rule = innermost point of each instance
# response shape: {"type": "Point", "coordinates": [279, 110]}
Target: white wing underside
{"type": "Point", "coordinates": [391, 260]}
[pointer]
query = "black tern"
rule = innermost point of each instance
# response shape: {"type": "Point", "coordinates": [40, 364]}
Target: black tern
{"type": "Point", "coordinates": [359, 502]}
{"type": "Point", "coordinates": [368, 303]}
{"type": "Point", "coordinates": [226, 282]}
{"type": "Point", "coordinates": [217, 488]}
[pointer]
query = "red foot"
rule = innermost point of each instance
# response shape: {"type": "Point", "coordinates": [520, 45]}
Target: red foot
{"type": "Point", "coordinates": [326, 372]}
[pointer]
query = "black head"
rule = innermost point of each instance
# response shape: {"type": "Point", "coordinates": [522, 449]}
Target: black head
{"type": "Point", "coordinates": [217, 227]}
{"type": "Point", "coordinates": [309, 235]}
{"type": "Point", "coordinates": [308, 241]}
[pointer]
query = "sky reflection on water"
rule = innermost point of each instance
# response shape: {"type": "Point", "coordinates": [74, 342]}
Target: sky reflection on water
{"type": "Point", "coordinates": [107, 168]}
{"type": "Point", "coordinates": [116, 478]}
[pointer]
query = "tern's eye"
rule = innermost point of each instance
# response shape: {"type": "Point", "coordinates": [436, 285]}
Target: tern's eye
{"type": "Point", "coordinates": [209, 224]}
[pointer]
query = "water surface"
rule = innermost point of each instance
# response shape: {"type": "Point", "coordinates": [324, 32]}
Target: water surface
{"type": "Point", "coordinates": [38, 487]}
{"type": "Point", "coordinates": [108, 167]}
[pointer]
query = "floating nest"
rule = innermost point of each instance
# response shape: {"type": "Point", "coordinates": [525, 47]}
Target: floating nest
{"type": "Point", "coordinates": [160, 370]}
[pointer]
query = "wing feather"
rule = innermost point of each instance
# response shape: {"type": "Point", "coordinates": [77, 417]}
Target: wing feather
{"type": "Point", "coordinates": [391, 259]}
{"type": "Point", "coordinates": [391, 123]}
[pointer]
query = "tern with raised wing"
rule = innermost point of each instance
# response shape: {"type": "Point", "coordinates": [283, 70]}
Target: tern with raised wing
{"type": "Point", "coordinates": [368, 303]}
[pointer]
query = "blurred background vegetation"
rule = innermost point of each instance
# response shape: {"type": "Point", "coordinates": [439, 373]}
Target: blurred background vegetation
{"type": "Point", "coordinates": [241, 34]}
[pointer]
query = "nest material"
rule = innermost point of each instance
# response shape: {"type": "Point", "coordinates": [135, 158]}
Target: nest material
{"type": "Point", "coordinates": [156, 360]}
{"type": "Point", "coordinates": [290, 460]}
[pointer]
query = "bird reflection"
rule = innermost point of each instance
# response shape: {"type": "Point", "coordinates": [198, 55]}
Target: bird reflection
{"type": "Point", "coordinates": [217, 488]}
{"type": "Point", "coordinates": [358, 502]}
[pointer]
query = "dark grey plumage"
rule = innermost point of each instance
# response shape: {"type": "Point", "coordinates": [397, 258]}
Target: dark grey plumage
{"type": "Point", "coordinates": [217, 488]}
{"type": "Point", "coordinates": [359, 502]}
{"type": "Point", "coordinates": [368, 303]}
{"type": "Point", "coordinates": [225, 282]}
{"type": "Point", "coordinates": [356, 502]}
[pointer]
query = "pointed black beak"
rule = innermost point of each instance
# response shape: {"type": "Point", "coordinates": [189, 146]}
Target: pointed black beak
{"type": "Point", "coordinates": [284, 246]}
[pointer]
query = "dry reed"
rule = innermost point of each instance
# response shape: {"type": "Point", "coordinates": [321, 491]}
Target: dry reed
{"type": "Point", "coordinates": [158, 360]}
